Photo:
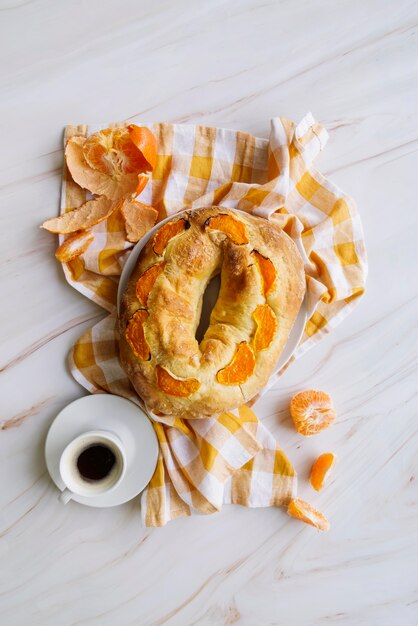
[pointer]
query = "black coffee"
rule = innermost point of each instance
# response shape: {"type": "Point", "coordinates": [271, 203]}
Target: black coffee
{"type": "Point", "coordinates": [96, 462]}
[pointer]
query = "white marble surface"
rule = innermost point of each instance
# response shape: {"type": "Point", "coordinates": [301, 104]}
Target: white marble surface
{"type": "Point", "coordinates": [354, 64]}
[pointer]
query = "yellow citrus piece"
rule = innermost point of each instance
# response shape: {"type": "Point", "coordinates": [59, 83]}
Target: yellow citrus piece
{"type": "Point", "coordinates": [139, 218]}
{"type": "Point", "coordinates": [321, 469]}
{"type": "Point", "coordinates": [232, 227]}
{"type": "Point", "coordinates": [74, 245]}
{"type": "Point", "coordinates": [87, 215]}
{"type": "Point", "coordinates": [266, 326]}
{"type": "Point", "coordinates": [167, 232]}
{"type": "Point", "coordinates": [307, 513]}
{"type": "Point", "coordinates": [179, 387]}
{"type": "Point", "coordinates": [312, 411]}
{"type": "Point", "coordinates": [240, 368]}
{"type": "Point", "coordinates": [135, 335]}
{"type": "Point", "coordinates": [267, 271]}
{"type": "Point", "coordinates": [146, 282]}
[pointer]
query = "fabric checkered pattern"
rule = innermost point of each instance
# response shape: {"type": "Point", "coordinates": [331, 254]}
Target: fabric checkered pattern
{"type": "Point", "coordinates": [231, 458]}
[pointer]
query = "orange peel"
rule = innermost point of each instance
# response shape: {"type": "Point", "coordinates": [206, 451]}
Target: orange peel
{"type": "Point", "coordinates": [240, 368]}
{"type": "Point", "coordinates": [146, 282]}
{"type": "Point", "coordinates": [167, 232]}
{"type": "Point", "coordinates": [266, 322]}
{"type": "Point", "coordinates": [321, 469]}
{"type": "Point", "coordinates": [135, 335]}
{"type": "Point", "coordinates": [235, 230]}
{"type": "Point", "coordinates": [267, 271]}
{"type": "Point", "coordinates": [73, 246]}
{"type": "Point", "coordinates": [307, 513]}
{"type": "Point", "coordinates": [87, 215]}
{"type": "Point", "coordinates": [312, 411]}
{"type": "Point", "coordinates": [138, 218]}
{"type": "Point", "coordinates": [178, 387]}
{"type": "Point", "coordinates": [146, 143]}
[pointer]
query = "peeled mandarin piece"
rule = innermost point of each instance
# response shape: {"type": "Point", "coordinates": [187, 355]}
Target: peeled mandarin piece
{"type": "Point", "coordinates": [135, 335]}
{"type": "Point", "coordinates": [307, 513]}
{"type": "Point", "coordinates": [312, 411]}
{"type": "Point", "coordinates": [114, 186]}
{"type": "Point", "coordinates": [146, 282]}
{"type": "Point", "coordinates": [321, 470]}
{"type": "Point", "coordinates": [167, 232]}
{"type": "Point", "coordinates": [97, 151]}
{"type": "Point", "coordinates": [73, 246]}
{"type": "Point", "coordinates": [267, 271]}
{"type": "Point", "coordinates": [87, 215]}
{"type": "Point", "coordinates": [139, 218]}
{"type": "Point", "coordinates": [240, 368]}
{"type": "Point", "coordinates": [146, 143]}
{"type": "Point", "coordinates": [232, 227]}
{"type": "Point", "coordinates": [181, 388]}
{"type": "Point", "coordinates": [266, 326]}
{"type": "Point", "coordinates": [126, 156]}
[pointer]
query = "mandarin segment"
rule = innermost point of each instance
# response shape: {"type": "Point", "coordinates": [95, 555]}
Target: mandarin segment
{"type": "Point", "coordinates": [87, 215]}
{"type": "Point", "coordinates": [167, 232]}
{"type": "Point", "coordinates": [178, 387]}
{"type": "Point", "coordinates": [321, 469]}
{"type": "Point", "coordinates": [135, 335]}
{"type": "Point", "coordinates": [146, 282]}
{"type": "Point", "coordinates": [266, 322]}
{"type": "Point", "coordinates": [73, 246]}
{"type": "Point", "coordinates": [138, 218]}
{"type": "Point", "coordinates": [267, 271]}
{"type": "Point", "coordinates": [232, 227]}
{"type": "Point", "coordinates": [307, 513]}
{"type": "Point", "coordinates": [240, 368]}
{"type": "Point", "coordinates": [312, 411]}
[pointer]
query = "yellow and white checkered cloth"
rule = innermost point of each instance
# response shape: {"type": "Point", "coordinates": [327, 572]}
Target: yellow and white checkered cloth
{"type": "Point", "coordinates": [232, 458]}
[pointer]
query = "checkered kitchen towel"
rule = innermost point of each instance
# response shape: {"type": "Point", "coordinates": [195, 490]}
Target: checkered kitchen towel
{"type": "Point", "coordinates": [232, 458]}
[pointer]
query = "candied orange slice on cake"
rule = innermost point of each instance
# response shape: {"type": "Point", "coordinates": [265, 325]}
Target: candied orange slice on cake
{"type": "Point", "coordinates": [307, 513]}
{"type": "Point", "coordinates": [321, 469]}
{"type": "Point", "coordinates": [266, 322]}
{"type": "Point", "coordinates": [240, 368]}
{"type": "Point", "coordinates": [267, 271]}
{"type": "Point", "coordinates": [232, 227]}
{"type": "Point", "coordinates": [167, 232]}
{"type": "Point", "coordinates": [135, 335]}
{"type": "Point", "coordinates": [312, 411]}
{"type": "Point", "coordinates": [179, 387]}
{"type": "Point", "coordinates": [146, 282]}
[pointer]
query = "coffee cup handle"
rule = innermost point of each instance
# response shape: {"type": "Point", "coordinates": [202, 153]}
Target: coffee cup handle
{"type": "Point", "coordinates": [65, 496]}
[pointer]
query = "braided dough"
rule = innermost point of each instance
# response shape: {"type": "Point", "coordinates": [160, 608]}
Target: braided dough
{"type": "Point", "coordinates": [262, 288]}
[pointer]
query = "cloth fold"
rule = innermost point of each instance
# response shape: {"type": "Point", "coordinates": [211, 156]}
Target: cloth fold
{"type": "Point", "coordinates": [231, 458]}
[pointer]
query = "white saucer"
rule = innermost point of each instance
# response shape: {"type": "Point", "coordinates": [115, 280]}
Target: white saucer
{"type": "Point", "coordinates": [212, 294]}
{"type": "Point", "coordinates": [106, 412]}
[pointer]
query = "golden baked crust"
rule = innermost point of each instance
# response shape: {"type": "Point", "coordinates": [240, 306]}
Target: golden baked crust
{"type": "Point", "coordinates": [160, 311]}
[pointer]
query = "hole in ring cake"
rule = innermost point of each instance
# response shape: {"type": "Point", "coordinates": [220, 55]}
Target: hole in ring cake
{"type": "Point", "coordinates": [262, 286]}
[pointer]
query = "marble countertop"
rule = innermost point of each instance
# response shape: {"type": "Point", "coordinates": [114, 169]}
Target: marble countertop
{"type": "Point", "coordinates": [354, 64]}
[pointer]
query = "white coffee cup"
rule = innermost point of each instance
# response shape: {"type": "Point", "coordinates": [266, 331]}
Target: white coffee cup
{"type": "Point", "coordinates": [85, 461]}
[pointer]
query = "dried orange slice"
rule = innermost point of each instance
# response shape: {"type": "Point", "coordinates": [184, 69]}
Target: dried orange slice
{"type": "Point", "coordinates": [139, 218]}
{"type": "Point", "coordinates": [266, 326]}
{"type": "Point", "coordinates": [146, 282]}
{"type": "Point", "coordinates": [73, 246]}
{"type": "Point", "coordinates": [135, 335]}
{"type": "Point", "coordinates": [312, 411]}
{"type": "Point", "coordinates": [232, 227]}
{"type": "Point", "coordinates": [113, 186]}
{"type": "Point", "coordinates": [179, 387]}
{"type": "Point", "coordinates": [267, 271]}
{"type": "Point", "coordinates": [146, 143]}
{"type": "Point", "coordinates": [240, 368]}
{"type": "Point", "coordinates": [321, 469]}
{"type": "Point", "coordinates": [307, 513]}
{"type": "Point", "coordinates": [167, 232]}
{"type": "Point", "coordinates": [87, 215]}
